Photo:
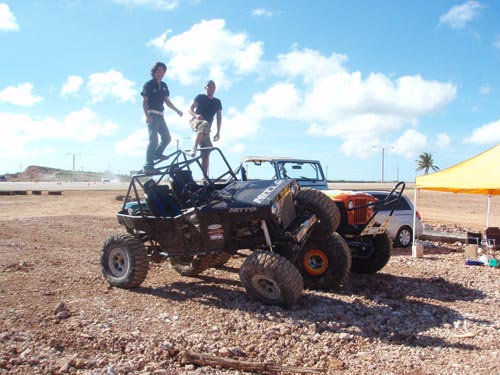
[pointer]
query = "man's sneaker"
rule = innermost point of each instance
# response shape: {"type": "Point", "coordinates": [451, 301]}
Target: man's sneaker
{"type": "Point", "coordinates": [192, 152]}
{"type": "Point", "coordinates": [150, 171]}
{"type": "Point", "coordinates": [161, 157]}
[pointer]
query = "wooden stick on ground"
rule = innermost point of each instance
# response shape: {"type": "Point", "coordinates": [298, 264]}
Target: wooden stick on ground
{"type": "Point", "coordinates": [201, 359]}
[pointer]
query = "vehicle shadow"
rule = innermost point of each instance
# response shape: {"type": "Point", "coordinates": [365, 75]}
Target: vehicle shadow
{"type": "Point", "coordinates": [394, 309]}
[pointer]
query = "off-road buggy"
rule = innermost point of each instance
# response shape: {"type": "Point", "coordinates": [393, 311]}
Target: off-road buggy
{"type": "Point", "coordinates": [194, 221]}
{"type": "Point", "coordinates": [368, 240]}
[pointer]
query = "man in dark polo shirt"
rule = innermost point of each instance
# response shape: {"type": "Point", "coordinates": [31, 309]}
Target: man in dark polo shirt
{"type": "Point", "coordinates": [155, 93]}
{"type": "Point", "coordinates": [203, 110]}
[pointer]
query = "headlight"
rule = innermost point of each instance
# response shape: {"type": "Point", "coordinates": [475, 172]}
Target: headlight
{"type": "Point", "coordinates": [275, 209]}
{"type": "Point", "coordinates": [350, 205]}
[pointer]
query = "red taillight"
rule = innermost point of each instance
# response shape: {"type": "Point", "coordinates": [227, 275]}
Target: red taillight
{"type": "Point", "coordinates": [417, 214]}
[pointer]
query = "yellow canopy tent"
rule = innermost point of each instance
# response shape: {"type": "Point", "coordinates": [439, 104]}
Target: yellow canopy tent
{"type": "Point", "coordinates": [477, 175]}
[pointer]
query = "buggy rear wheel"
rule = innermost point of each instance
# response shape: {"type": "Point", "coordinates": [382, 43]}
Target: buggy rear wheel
{"type": "Point", "coordinates": [220, 259]}
{"type": "Point", "coordinates": [124, 261]}
{"type": "Point", "coordinates": [272, 279]}
{"type": "Point", "coordinates": [191, 265]}
{"type": "Point", "coordinates": [324, 264]}
{"type": "Point", "coordinates": [373, 254]}
{"type": "Point", "coordinates": [325, 209]}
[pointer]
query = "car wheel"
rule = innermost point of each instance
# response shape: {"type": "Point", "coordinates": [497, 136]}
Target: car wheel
{"type": "Point", "coordinates": [403, 237]}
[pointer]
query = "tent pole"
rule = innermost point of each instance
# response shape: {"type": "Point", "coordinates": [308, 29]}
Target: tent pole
{"type": "Point", "coordinates": [415, 199]}
{"type": "Point", "coordinates": [488, 211]}
{"type": "Point", "coordinates": [416, 250]}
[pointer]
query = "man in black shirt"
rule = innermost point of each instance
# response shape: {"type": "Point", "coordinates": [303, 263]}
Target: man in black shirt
{"type": "Point", "coordinates": [203, 110]}
{"type": "Point", "coordinates": [155, 93]}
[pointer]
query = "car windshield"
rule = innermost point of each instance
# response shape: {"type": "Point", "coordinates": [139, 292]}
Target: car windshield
{"type": "Point", "coordinates": [300, 170]}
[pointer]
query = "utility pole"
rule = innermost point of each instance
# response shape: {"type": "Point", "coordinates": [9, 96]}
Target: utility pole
{"type": "Point", "coordinates": [73, 171]}
{"type": "Point", "coordinates": [383, 156]}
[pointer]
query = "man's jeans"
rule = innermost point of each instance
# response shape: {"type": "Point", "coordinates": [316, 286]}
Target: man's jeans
{"type": "Point", "coordinates": [157, 126]}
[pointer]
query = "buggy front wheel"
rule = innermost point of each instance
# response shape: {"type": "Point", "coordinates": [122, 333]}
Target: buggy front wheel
{"type": "Point", "coordinates": [325, 264]}
{"type": "Point", "coordinates": [271, 279]}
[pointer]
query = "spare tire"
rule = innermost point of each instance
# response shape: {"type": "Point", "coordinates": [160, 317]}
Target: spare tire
{"type": "Point", "coordinates": [326, 211]}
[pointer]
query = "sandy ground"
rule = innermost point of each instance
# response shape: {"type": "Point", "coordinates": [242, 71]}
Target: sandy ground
{"type": "Point", "coordinates": [417, 316]}
{"type": "Point", "coordinates": [462, 210]}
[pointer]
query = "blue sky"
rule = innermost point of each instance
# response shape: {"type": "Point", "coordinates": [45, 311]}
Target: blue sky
{"type": "Point", "coordinates": [331, 80]}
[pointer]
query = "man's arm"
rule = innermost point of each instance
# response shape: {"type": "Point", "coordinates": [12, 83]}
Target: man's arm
{"type": "Point", "coordinates": [219, 123]}
{"type": "Point", "coordinates": [172, 106]}
{"type": "Point", "coordinates": [145, 109]}
{"type": "Point", "coordinates": [192, 112]}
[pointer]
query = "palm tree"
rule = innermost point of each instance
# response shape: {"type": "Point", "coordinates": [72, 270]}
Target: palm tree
{"type": "Point", "coordinates": [425, 162]}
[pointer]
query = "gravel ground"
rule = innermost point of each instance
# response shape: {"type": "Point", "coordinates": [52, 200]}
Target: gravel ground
{"type": "Point", "coordinates": [59, 316]}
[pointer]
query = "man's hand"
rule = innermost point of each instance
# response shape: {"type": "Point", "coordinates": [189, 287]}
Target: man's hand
{"type": "Point", "coordinates": [179, 113]}
{"type": "Point", "coordinates": [216, 137]}
{"type": "Point", "coordinates": [149, 119]}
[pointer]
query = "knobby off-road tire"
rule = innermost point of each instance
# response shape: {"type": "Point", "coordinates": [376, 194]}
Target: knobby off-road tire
{"type": "Point", "coordinates": [272, 279]}
{"type": "Point", "coordinates": [220, 259]}
{"type": "Point", "coordinates": [325, 264]}
{"type": "Point", "coordinates": [325, 209]}
{"type": "Point", "coordinates": [124, 261]}
{"type": "Point", "coordinates": [403, 237]}
{"type": "Point", "coordinates": [191, 265]}
{"type": "Point", "coordinates": [373, 260]}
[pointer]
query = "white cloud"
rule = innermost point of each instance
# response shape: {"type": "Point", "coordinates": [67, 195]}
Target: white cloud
{"type": "Point", "coordinates": [22, 132]}
{"type": "Point", "coordinates": [343, 105]}
{"type": "Point", "coordinates": [72, 86]}
{"type": "Point", "coordinates": [281, 100]}
{"type": "Point", "coordinates": [237, 148]}
{"type": "Point", "coordinates": [309, 64]}
{"type": "Point", "coordinates": [20, 95]}
{"type": "Point", "coordinates": [134, 145]}
{"type": "Point", "coordinates": [223, 56]}
{"type": "Point", "coordinates": [111, 84]}
{"type": "Point", "coordinates": [7, 19]}
{"type": "Point", "coordinates": [442, 140]}
{"type": "Point", "coordinates": [321, 92]}
{"type": "Point", "coordinates": [152, 4]}
{"type": "Point", "coordinates": [460, 15]}
{"type": "Point", "coordinates": [262, 12]}
{"type": "Point", "coordinates": [410, 144]}
{"type": "Point", "coordinates": [486, 134]}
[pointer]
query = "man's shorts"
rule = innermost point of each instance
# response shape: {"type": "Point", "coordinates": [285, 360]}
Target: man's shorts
{"type": "Point", "coordinates": [200, 126]}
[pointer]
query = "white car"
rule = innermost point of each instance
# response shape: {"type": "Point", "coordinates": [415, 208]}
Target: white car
{"type": "Point", "coordinates": [400, 227]}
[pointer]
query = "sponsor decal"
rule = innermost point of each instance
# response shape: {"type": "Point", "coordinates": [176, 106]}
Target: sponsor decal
{"type": "Point", "coordinates": [215, 232]}
{"type": "Point", "coordinates": [239, 210]}
{"type": "Point", "coordinates": [265, 194]}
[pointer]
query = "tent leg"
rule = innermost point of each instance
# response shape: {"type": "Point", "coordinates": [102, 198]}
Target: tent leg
{"type": "Point", "coordinates": [488, 211]}
{"type": "Point", "coordinates": [417, 250]}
